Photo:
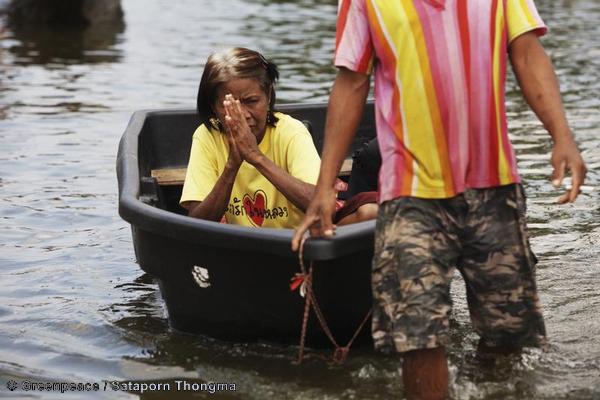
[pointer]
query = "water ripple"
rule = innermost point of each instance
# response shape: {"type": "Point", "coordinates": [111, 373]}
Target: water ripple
{"type": "Point", "coordinates": [75, 306]}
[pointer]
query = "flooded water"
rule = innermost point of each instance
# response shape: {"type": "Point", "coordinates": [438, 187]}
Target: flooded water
{"type": "Point", "coordinates": [74, 305]}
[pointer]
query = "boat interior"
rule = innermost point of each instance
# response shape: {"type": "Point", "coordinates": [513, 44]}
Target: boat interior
{"type": "Point", "coordinates": [165, 141]}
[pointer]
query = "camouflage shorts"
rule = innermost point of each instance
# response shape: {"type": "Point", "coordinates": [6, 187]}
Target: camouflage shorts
{"type": "Point", "coordinates": [419, 243]}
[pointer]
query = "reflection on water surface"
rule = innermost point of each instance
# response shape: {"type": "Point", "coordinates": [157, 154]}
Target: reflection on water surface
{"type": "Point", "coordinates": [74, 306]}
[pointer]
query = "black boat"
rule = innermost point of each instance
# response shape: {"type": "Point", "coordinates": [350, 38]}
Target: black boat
{"type": "Point", "coordinates": [229, 281]}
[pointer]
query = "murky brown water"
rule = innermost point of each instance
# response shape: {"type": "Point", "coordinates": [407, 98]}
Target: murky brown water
{"type": "Point", "coordinates": [74, 306]}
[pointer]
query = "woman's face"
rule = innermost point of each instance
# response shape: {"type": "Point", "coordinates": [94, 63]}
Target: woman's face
{"type": "Point", "coordinates": [254, 102]}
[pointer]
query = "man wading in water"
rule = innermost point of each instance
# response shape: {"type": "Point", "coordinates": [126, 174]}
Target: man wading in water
{"type": "Point", "coordinates": [449, 191]}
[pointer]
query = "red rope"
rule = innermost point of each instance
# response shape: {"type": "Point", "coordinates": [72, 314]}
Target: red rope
{"type": "Point", "coordinates": [304, 325]}
{"type": "Point", "coordinates": [340, 353]}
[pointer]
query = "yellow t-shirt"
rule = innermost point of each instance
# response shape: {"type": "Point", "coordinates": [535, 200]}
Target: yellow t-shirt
{"type": "Point", "coordinates": [254, 200]}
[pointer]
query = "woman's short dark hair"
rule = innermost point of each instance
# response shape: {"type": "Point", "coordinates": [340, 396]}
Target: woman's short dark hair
{"type": "Point", "coordinates": [230, 64]}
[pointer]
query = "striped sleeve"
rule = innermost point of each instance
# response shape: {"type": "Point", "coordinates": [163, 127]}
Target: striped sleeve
{"type": "Point", "coordinates": [522, 16]}
{"type": "Point", "coordinates": [353, 46]}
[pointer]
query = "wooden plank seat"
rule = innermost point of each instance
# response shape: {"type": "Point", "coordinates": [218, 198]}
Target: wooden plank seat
{"type": "Point", "coordinates": [176, 176]}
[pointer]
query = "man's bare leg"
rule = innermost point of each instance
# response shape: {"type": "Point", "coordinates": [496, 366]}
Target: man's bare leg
{"type": "Point", "coordinates": [425, 374]}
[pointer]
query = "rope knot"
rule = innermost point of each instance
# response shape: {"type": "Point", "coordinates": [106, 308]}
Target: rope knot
{"type": "Point", "coordinates": [340, 355]}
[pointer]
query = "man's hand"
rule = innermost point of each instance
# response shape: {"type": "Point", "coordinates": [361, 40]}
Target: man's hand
{"type": "Point", "coordinates": [344, 112]}
{"type": "Point", "coordinates": [566, 157]}
{"type": "Point", "coordinates": [318, 218]}
{"type": "Point", "coordinates": [538, 82]}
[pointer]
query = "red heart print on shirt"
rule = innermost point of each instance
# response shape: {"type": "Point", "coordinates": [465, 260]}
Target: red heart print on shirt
{"type": "Point", "coordinates": [255, 207]}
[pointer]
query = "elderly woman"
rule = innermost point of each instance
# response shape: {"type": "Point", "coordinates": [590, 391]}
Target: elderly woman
{"type": "Point", "coordinates": [250, 165]}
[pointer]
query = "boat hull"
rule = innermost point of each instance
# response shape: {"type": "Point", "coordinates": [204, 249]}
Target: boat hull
{"type": "Point", "coordinates": [227, 281]}
{"type": "Point", "coordinates": [247, 295]}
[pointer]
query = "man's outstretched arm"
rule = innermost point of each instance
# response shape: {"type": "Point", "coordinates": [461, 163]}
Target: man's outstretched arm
{"type": "Point", "coordinates": [344, 112]}
{"type": "Point", "coordinates": [537, 80]}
